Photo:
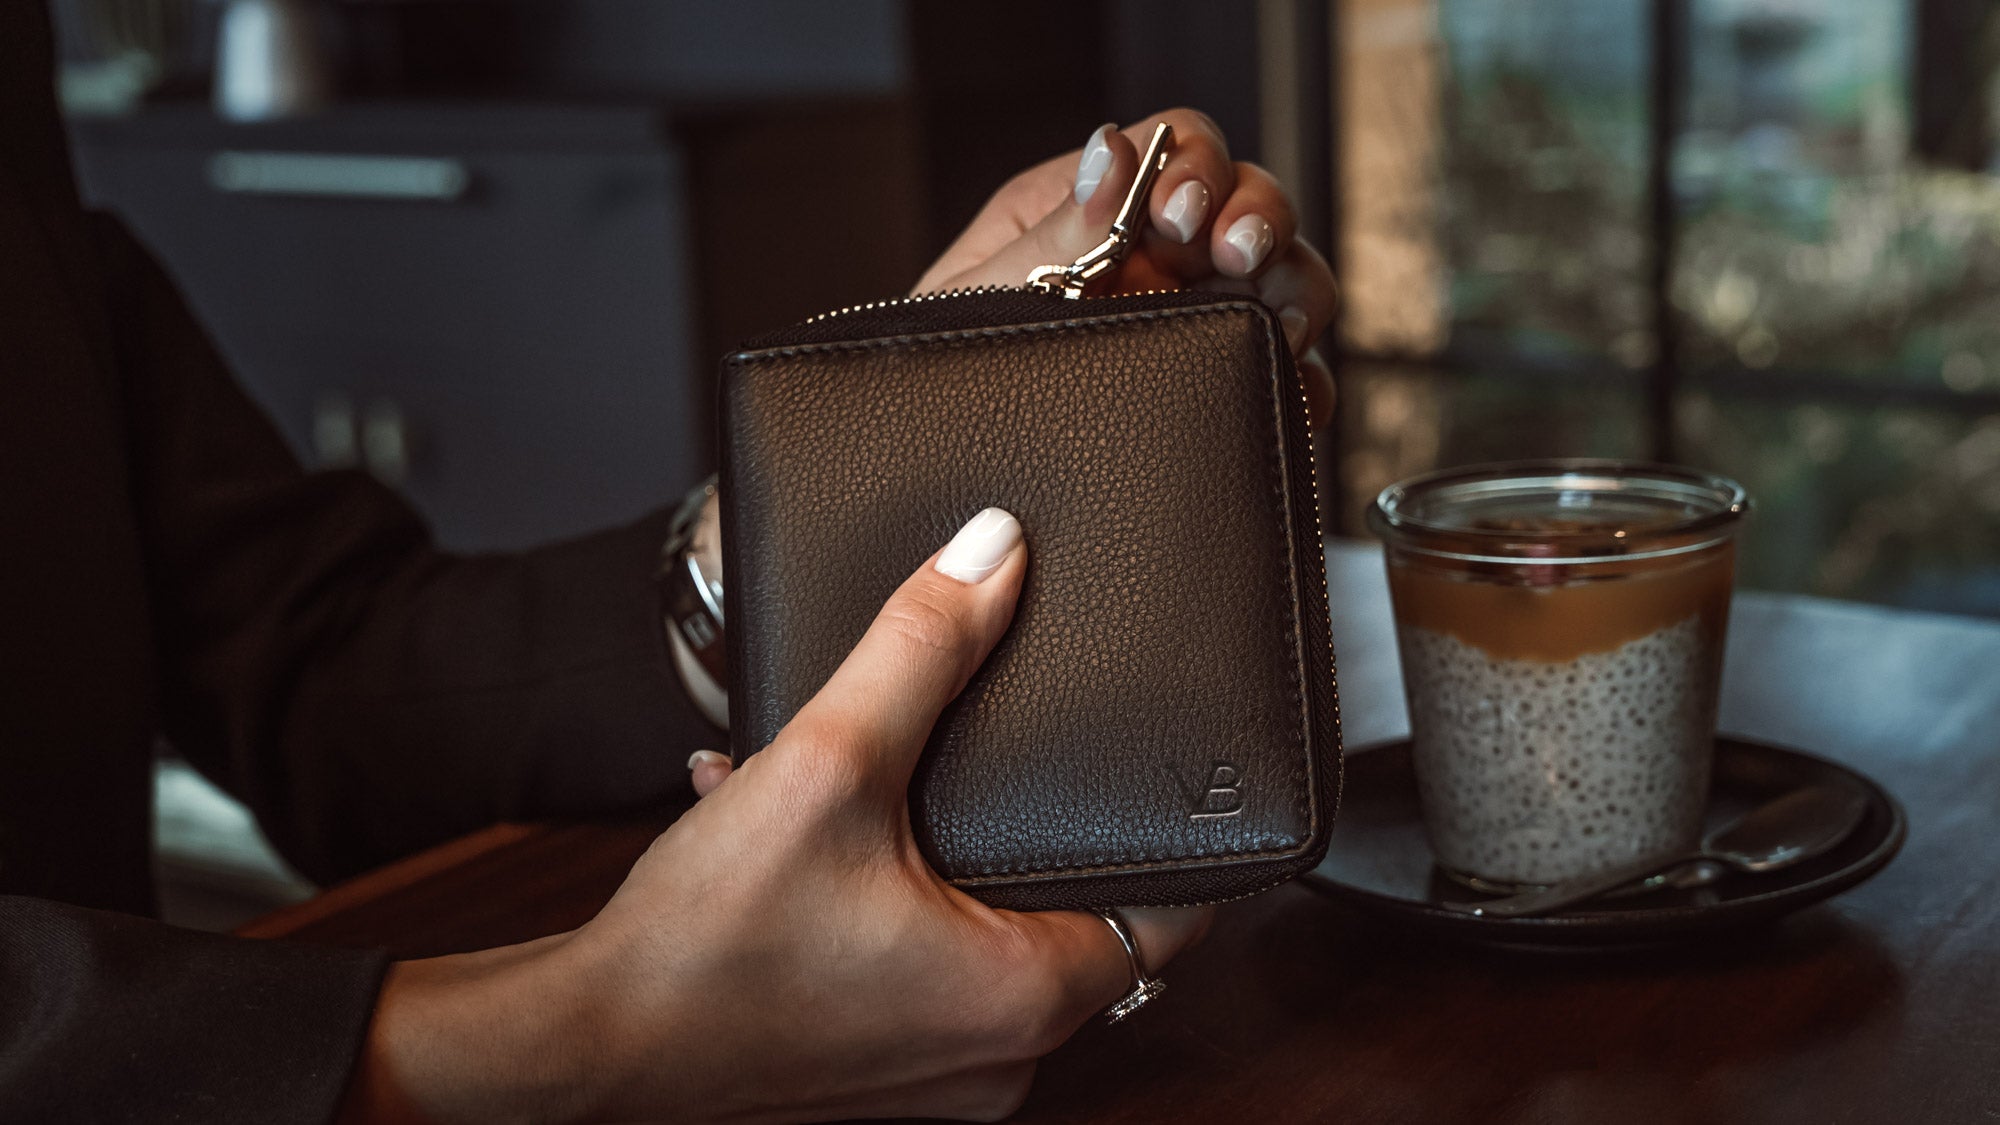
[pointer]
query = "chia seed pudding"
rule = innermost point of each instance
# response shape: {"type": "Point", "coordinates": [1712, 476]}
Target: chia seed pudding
{"type": "Point", "coordinates": [1561, 629]}
{"type": "Point", "coordinates": [1536, 771]}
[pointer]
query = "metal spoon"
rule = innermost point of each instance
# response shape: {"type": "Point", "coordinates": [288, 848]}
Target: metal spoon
{"type": "Point", "coordinates": [1793, 828]}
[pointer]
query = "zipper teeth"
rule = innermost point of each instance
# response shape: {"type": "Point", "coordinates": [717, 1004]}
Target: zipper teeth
{"type": "Point", "coordinates": [949, 294]}
{"type": "Point", "coordinates": [918, 299]}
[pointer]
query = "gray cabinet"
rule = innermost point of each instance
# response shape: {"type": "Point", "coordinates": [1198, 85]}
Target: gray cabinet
{"type": "Point", "coordinates": [490, 305]}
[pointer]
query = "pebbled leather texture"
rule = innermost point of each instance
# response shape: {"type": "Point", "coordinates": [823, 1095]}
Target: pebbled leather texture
{"type": "Point", "coordinates": [1160, 725]}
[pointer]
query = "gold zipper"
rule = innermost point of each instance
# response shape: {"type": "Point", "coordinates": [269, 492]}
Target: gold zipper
{"type": "Point", "coordinates": [963, 291]}
{"type": "Point", "coordinates": [916, 299]}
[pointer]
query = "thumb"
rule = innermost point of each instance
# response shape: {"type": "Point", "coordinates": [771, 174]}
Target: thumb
{"type": "Point", "coordinates": [1104, 170]}
{"type": "Point", "coordinates": [931, 636]}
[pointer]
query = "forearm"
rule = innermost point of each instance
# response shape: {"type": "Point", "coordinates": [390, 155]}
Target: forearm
{"type": "Point", "coordinates": [366, 693]}
{"type": "Point", "coordinates": [443, 697]}
{"type": "Point", "coordinates": [115, 1018]}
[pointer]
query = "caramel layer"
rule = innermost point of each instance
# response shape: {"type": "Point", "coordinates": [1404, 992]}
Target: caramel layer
{"type": "Point", "coordinates": [1558, 621]}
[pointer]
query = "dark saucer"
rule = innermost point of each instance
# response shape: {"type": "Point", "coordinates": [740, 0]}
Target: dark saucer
{"type": "Point", "coordinates": [1380, 862]}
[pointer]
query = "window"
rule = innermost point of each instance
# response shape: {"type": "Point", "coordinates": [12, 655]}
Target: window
{"type": "Point", "coordinates": [1811, 305]}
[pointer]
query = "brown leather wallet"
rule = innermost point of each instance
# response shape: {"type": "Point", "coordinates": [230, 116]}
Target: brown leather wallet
{"type": "Point", "coordinates": [1159, 726]}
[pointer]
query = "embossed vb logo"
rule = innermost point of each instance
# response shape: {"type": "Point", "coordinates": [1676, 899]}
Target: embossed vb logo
{"type": "Point", "coordinates": [1223, 795]}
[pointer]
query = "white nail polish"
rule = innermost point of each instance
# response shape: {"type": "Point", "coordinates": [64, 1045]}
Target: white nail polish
{"type": "Point", "coordinates": [980, 546]}
{"type": "Point", "coordinates": [1295, 323]}
{"type": "Point", "coordinates": [1095, 162]}
{"type": "Point", "coordinates": [1251, 237]}
{"type": "Point", "coordinates": [1185, 209]}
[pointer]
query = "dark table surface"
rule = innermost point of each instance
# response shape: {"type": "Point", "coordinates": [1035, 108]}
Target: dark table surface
{"type": "Point", "coordinates": [1881, 1005]}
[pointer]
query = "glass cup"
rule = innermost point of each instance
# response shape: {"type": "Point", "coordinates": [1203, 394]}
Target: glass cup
{"type": "Point", "coordinates": [1561, 627]}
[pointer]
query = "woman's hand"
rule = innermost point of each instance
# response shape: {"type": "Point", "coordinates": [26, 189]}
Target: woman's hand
{"type": "Point", "coordinates": [783, 952]}
{"type": "Point", "coordinates": [1215, 224]}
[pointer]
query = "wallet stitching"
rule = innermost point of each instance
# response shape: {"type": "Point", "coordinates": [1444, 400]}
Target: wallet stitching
{"type": "Point", "coordinates": [969, 335]}
{"type": "Point", "coordinates": [960, 336]}
{"type": "Point", "coordinates": [1290, 502]}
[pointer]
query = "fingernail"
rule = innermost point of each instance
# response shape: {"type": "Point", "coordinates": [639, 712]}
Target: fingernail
{"type": "Point", "coordinates": [1250, 237]}
{"type": "Point", "coordinates": [1095, 163]}
{"type": "Point", "coordinates": [700, 757]}
{"type": "Point", "coordinates": [1186, 208]}
{"type": "Point", "coordinates": [1295, 323]}
{"type": "Point", "coordinates": [980, 546]}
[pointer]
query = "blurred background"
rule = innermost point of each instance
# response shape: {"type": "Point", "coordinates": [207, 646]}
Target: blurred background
{"type": "Point", "coordinates": [492, 251]}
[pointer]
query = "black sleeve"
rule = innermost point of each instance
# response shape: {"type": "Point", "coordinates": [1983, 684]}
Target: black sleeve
{"type": "Point", "coordinates": [108, 1025]}
{"type": "Point", "coordinates": [364, 692]}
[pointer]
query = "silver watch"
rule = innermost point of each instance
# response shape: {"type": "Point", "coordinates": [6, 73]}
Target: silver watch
{"type": "Point", "coordinates": [690, 580]}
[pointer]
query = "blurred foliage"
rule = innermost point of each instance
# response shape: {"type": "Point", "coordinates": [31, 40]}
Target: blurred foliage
{"type": "Point", "coordinates": [1877, 277]}
{"type": "Point", "coordinates": [1405, 419]}
{"type": "Point", "coordinates": [1543, 230]}
{"type": "Point", "coordinates": [1894, 505]}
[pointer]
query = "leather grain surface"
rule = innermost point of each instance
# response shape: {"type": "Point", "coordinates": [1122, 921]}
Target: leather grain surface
{"type": "Point", "coordinates": [1159, 725]}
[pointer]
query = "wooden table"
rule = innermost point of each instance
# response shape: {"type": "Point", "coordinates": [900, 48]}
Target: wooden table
{"type": "Point", "coordinates": [1882, 1005]}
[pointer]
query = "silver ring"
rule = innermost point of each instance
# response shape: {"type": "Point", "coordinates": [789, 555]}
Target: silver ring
{"type": "Point", "coordinates": [1144, 988]}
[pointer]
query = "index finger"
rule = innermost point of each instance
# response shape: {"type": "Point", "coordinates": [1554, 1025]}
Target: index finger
{"type": "Point", "coordinates": [1198, 177]}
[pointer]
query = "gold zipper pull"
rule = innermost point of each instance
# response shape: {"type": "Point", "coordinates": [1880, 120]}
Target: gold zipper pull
{"type": "Point", "coordinates": [1069, 280]}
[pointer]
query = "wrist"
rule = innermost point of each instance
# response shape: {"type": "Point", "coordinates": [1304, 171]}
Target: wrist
{"type": "Point", "coordinates": [495, 1036]}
